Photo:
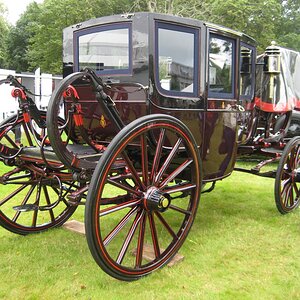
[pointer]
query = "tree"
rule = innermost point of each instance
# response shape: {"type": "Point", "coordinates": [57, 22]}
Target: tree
{"type": "Point", "coordinates": [3, 34]}
{"type": "Point", "coordinates": [19, 37]}
{"type": "Point", "coordinates": [36, 40]}
{"type": "Point", "coordinates": [288, 29]}
{"type": "Point", "coordinates": [45, 47]}
{"type": "Point", "coordinates": [249, 17]}
{"type": "Point", "coordinates": [242, 15]}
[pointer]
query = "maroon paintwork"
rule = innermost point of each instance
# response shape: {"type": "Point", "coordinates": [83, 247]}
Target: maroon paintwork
{"type": "Point", "coordinates": [212, 121]}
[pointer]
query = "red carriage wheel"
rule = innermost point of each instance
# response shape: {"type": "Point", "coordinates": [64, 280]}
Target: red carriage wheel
{"type": "Point", "coordinates": [33, 198]}
{"type": "Point", "coordinates": [144, 194]}
{"type": "Point", "coordinates": [287, 183]}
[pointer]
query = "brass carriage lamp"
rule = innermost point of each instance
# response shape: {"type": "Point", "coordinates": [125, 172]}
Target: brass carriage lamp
{"type": "Point", "coordinates": [245, 61]}
{"type": "Point", "coordinates": [272, 67]}
{"type": "Point", "coordinates": [245, 69]}
{"type": "Point", "coordinates": [272, 59]}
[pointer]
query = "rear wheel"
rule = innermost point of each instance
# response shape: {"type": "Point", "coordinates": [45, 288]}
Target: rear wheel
{"type": "Point", "coordinates": [33, 197]}
{"type": "Point", "coordinates": [287, 182]}
{"type": "Point", "coordinates": [143, 197]}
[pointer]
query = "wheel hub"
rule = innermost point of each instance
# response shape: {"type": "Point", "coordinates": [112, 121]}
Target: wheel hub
{"type": "Point", "coordinates": [156, 200]}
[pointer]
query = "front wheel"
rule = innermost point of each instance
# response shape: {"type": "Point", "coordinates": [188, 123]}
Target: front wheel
{"type": "Point", "coordinates": [143, 195]}
{"type": "Point", "coordinates": [287, 182]}
{"type": "Point", "coordinates": [33, 198]}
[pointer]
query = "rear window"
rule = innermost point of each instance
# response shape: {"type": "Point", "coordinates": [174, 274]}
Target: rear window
{"type": "Point", "coordinates": [105, 49]}
{"type": "Point", "coordinates": [221, 66]}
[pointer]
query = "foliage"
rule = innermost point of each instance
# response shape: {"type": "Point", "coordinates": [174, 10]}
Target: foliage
{"type": "Point", "coordinates": [18, 40]}
{"type": "Point", "coordinates": [265, 20]}
{"type": "Point", "coordinates": [36, 40]}
{"type": "Point", "coordinates": [3, 35]}
{"type": "Point", "coordinates": [45, 49]}
{"type": "Point", "coordinates": [248, 17]}
{"type": "Point", "coordinates": [288, 29]}
{"type": "Point", "coordinates": [243, 15]}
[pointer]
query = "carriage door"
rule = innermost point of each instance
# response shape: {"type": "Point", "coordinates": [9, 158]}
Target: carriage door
{"type": "Point", "coordinates": [220, 145]}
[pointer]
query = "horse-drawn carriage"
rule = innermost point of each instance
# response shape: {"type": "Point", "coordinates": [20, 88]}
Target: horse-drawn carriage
{"type": "Point", "coordinates": [151, 109]}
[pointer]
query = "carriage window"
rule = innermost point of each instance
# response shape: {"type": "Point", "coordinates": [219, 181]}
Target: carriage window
{"type": "Point", "coordinates": [246, 71]}
{"type": "Point", "coordinates": [176, 49]}
{"type": "Point", "coordinates": [221, 66]}
{"type": "Point", "coordinates": [104, 49]}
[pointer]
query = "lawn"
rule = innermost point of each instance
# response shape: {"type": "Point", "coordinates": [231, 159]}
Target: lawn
{"type": "Point", "coordinates": [239, 247]}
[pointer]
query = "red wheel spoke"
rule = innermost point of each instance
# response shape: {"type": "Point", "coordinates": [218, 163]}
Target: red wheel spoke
{"type": "Point", "coordinates": [144, 150]}
{"type": "Point", "coordinates": [14, 193]}
{"type": "Point", "coordinates": [176, 172]}
{"type": "Point", "coordinates": [29, 140]}
{"type": "Point", "coordinates": [11, 141]}
{"type": "Point", "coordinates": [158, 152]}
{"type": "Point", "coordinates": [291, 159]}
{"type": "Point", "coordinates": [49, 203]}
{"type": "Point", "coordinates": [120, 225]}
{"type": "Point", "coordinates": [37, 202]}
{"type": "Point", "coordinates": [140, 243]}
{"type": "Point", "coordinates": [127, 188]}
{"type": "Point", "coordinates": [296, 189]}
{"type": "Point", "coordinates": [17, 214]}
{"type": "Point", "coordinates": [154, 235]}
{"type": "Point", "coordinates": [167, 161]}
{"type": "Point", "coordinates": [118, 207]}
{"type": "Point", "coordinates": [297, 157]}
{"type": "Point", "coordinates": [183, 211]}
{"type": "Point", "coordinates": [55, 190]}
{"type": "Point", "coordinates": [286, 195]}
{"type": "Point", "coordinates": [135, 175]}
{"type": "Point", "coordinates": [179, 188]}
{"type": "Point", "coordinates": [291, 197]}
{"type": "Point", "coordinates": [129, 237]}
{"type": "Point", "coordinates": [286, 174]}
{"type": "Point", "coordinates": [285, 184]}
{"type": "Point", "coordinates": [167, 226]}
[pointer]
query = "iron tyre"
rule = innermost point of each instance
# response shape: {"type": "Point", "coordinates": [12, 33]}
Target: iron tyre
{"type": "Point", "coordinates": [154, 167]}
{"type": "Point", "coordinates": [287, 184]}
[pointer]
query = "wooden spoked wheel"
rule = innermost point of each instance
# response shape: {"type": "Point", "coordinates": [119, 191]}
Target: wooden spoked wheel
{"type": "Point", "coordinates": [143, 195]}
{"type": "Point", "coordinates": [287, 183]}
{"type": "Point", "coordinates": [33, 198]}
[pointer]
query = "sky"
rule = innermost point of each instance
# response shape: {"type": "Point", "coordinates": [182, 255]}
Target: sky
{"type": "Point", "coordinates": [16, 8]}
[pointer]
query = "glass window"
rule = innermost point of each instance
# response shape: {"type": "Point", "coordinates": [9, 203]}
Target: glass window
{"type": "Point", "coordinates": [246, 71]}
{"type": "Point", "coordinates": [176, 50]}
{"type": "Point", "coordinates": [104, 48]}
{"type": "Point", "coordinates": [221, 66]}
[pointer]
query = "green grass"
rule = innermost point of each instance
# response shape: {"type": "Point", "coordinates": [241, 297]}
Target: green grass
{"type": "Point", "coordinates": [239, 247]}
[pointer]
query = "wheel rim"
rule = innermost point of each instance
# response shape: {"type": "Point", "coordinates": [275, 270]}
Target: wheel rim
{"type": "Point", "coordinates": [34, 198]}
{"type": "Point", "coordinates": [148, 206]}
{"type": "Point", "coordinates": [289, 194]}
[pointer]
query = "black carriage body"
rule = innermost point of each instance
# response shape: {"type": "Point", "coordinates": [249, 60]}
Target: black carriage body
{"type": "Point", "coordinates": [189, 69]}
